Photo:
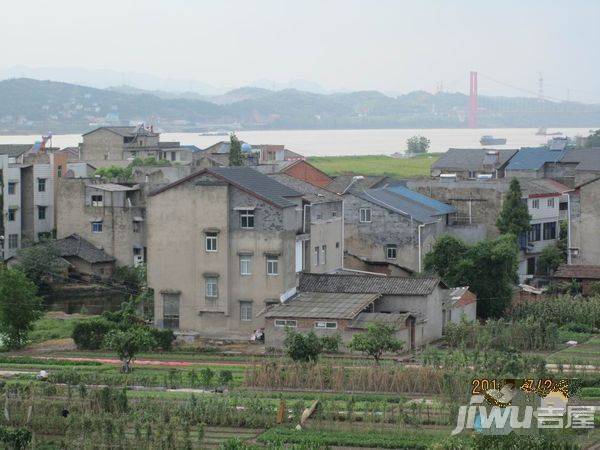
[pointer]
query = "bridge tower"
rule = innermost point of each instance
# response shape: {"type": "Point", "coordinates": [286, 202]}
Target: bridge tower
{"type": "Point", "coordinates": [473, 99]}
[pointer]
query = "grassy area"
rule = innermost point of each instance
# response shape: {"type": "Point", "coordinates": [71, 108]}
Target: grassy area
{"type": "Point", "coordinates": [55, 326]}
{"type": "Point", "coordinates": [584, 353]}
{"type": "Point", "coordinates": [376, 165]}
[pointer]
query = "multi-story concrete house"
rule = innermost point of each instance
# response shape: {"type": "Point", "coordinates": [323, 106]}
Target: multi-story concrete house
{"type": "Point", "coordinates": [10, 222]}
{"type": "Point", "coordinates": [472, 163]}
{"type": "Point", "coordinates": [123, 143]}
{"type": "Point", "coordinates": [323, 225]}
{"type": "Point", "coordinates": [535, 162]}
{"type": "Point", "coordinates": [108, 215]}
{"type": "Point", "coordinates": [223, 244]}
{"type": "Point", "coordinates": [394, 224]}
{"type": "Point", "coordinates": [584, 206]}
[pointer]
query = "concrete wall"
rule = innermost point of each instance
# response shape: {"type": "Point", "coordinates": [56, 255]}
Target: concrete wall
{"type": "Point", "coordinates": [161, 174]}
{"type": "Point", "coordinates": [179, 263]}
{"type": "Point", "coordinates": [75, 215]}
{"type": "Point", "coordinates": [9, 174]}
{"type": "Point", "coordinates": [585, 224]}
{"type": "Point", "coordinates": [326, 229]}
{"type": "Point", "coordinates": [102, 144]}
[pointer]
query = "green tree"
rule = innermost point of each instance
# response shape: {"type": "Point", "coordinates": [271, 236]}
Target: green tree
{"type": "Point", "coordinates": [20, 307]}
{"type": "Point", "coordinates": [593, 140]}
{"type": "Point", "coordinates": [128, 343]}
{"type": "Point", "coordinates": [550, 258]}
{"type": "Point", "coordinates": [445, 257]}
{"type": "Point", "coordinates": [489, 268]}
{"type": "Point", "coordinates": [235, 151]}
{"type": "Point", "coordinates": [121, 174]}
{"type": "Point", "coordinates": [39, 262]}
{"type": "Point", "coordinates": [302, 347]}
{"type": "Point", "coordinates": [378, 339]}
{"type": "Point", "coordinates": [417, 144]}
{"type": "Point", "coordinates": [514, 217]}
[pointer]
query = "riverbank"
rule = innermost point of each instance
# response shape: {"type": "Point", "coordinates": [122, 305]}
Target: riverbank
{"type": "Point", "coordinates": [417, 166]}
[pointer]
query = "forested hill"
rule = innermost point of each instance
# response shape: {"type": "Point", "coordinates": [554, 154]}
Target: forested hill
{"type": "Point", "coordinates": [33, 106]}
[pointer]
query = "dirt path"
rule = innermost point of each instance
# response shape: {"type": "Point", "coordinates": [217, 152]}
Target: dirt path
{"type": "Point", "coordinates": [142, 362]}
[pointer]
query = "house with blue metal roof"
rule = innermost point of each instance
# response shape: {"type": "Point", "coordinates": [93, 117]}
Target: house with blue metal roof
{"type": "Point", "coordinates": [393, 224]}
{"type": "Point", "coordinates": [533, 162]}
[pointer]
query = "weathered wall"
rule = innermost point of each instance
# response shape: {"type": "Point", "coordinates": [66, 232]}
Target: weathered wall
{"type": "Point", "coordinates": [585, 223]}
{"type": "Point", "coordinates": [10, 201]}
{"type": "Point", "coordinates": [306, 172]}
{"type": "Point", "coordinates": [102, 145]}
{"type": "Point", "coordinates": [94, 298]}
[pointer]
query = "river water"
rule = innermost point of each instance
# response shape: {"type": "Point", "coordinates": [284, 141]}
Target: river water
{"type": "Point", "coordinates": [346, 142]}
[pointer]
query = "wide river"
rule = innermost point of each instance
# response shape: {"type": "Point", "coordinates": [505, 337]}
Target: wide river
{"type": "Point", "coordinates": [345, 142]}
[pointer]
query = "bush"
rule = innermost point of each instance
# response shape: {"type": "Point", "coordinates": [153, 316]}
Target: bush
{"type": "Point", "coordinates": [225, 377]}
{"type": "Point", "coordinates": [562, 310]}
{"type": "Point", "coordinates": [164, 338]}
{"type": "Point", "coordinates": [303, 347]}
{"type": "Point", "coordinates": [15, 438]}
{"type": "Point", "coordinates": [331, 344]}
{"type": "Point", "coordinates": [89, 335]}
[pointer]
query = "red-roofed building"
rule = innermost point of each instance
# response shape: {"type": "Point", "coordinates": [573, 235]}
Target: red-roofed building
{"type": "Point", "coordinates": [460, 302]}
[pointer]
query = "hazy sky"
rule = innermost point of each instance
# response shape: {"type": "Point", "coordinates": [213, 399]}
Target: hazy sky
{"type": "Point", "coordinates": [395, 46]}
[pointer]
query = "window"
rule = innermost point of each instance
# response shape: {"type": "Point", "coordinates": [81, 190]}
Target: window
{"type": "Point", "coordinates": [472, 174]}
{"type": "Point", "coordinates": [549, 231]}
{"type": "Point", "coordinates": [391, 251]}
{"type": "Point", "coordinates": [272, 265]}
{"type": "Point", "coordinates": [246, 311]}
{"type": "Point", "coordinates": [13, 241]}
{"type": "Point", "coordinates": [531, 266]}
{"type": "Point", "coordinates": [171, 311]}
{"type": "Point", "coordinates": [136, 226]}
{"type": "Point", "coordinates": [337, 245]}
{"type": "Point", "coordinates": [41, 212]}
{"type": "Point", "coordinates": [11, 187]}
{"type": "Point", "coordinates": [211, 241]}
{"type": "Point", "coordinates": [212, 287]}
{"type": "Point", "coordinates": [247, 218]}
{"type": "Point", "coordinates": [97, 200]}
{"type": "Point", "coordinates": [41, 185]}
{"type": "Point", "coordinates": [59, 172]}
{"type": "Point", "coordinates": [282, 323]}
{"type": "Point", "coordinates": [535, 234]}
{"type": "Point", "coordinates": [245, 265]}
{"type": "Point", "coordinates": [563, 206]}
{"type": "Point", "coordinates": [137, 251]}
{"type": "Point", "coordinates": [173, 156]}
{"type": "Point", "coordinates": [96, 227]}
{"type": "Point", "coordinates": [324, 254]}
{"type": "Point", "coordinates": [365, 214]}
{"type": "Point", "coordinates": [317, 257]}
{"type": "Point", "coordinates": [12, 213]}
{"type": "Point", "coordinates": [535, 203]}
{"type": "Point", "coordinates": [326, 325]}
{"type": "Point", "coordinates": [550, 203]}
{"type": "Point", "coordinates": [333, 213]}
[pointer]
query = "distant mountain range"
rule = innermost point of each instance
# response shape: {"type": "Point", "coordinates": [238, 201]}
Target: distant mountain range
{"type": "Point", "coordinates": [33, 106]}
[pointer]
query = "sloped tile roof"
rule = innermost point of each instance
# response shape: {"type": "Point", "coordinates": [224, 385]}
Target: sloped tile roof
{"type": "Point", "coordinates": [360, 284]}
{"type": "Point", "coordinates": [472, 159]}
{"type": "Point", "coordinates": [14, 150]}
{"type": "Point", "coordinates": [319, 305]}
{"type": "Point", "coordinates": [577, 271]}
{"type": "Point", "coordinates": [588, 159]}
{"type": "Point", "coordinates": [75, 245]}
{"type": "Point", "coordinates": [310, 192]}
{"type": "Point", "coordinates": [364, 319]}
{"type": "Point", "coordinates": [534, 158]}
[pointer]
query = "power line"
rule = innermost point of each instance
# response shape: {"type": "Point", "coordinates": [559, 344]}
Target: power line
{"type": "Point", "coordinates": [527, 91]}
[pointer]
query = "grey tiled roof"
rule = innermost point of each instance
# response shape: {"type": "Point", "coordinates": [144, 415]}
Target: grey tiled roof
{"type": "Point", "coordinates": [342, 182]}
{"type": "Point", "coordinates": [75, 245]}
{"type": "Point", "coordinates": [310, 192]}
{"type": "Point", "coordinates": [588, 159]}
{"type": "Point", "coordinates": [14, 150]}
{"type": "Point", "coordinates": [318, 305]}
{"type": "Point", "coordinates": [360, 284]}
{"type": "Point", "coordinates": [472, 159]}
{"type": "Point", "coordinates": [537, 186]}
{"type": "Point", "coordinates": [364, 319]}
{"type": "Point", "coordinates": [254, 181]}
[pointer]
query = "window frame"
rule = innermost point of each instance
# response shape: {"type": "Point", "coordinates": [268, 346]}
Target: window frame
{"type": "Point", "coordinates": [211, 236]}
{"type": "Point", "coordinates": [245, 260]}
{"type": "Point", "coordinates": [326, 326]}
{"type": "Point", "coordinates": [535, 233]}
{"type": "Point", "coordinates": [551, 227]}
{"type": "Point", "coordinates": [286, 323]}
{"type": "Point", "coordinates": [12, 214]}
{"type": "Point", "coordinates": [97, 227]}
{"type": "Point", "coordinates": [272, 262]}
{"type": "Point", "coordinates": [211, 293]}
{"type": "Point", "coordinates": [317, 253]}
{"type": "Point", "coordinates": [550, 203]}
{"type": "Point", "coordinates": [391, 247]}
{"type": "Point", "coordinates": [11, 188]}
{"type": "Point", "coordinates": [13, 241]}
{"type": "Point", "coordinates": [324, 254]}
{"type": "Point", "coordinates": [367, 212]}
{"type": "Point", "coordinates": [249, 216]}
{"type": "Point", "coordinates": [247, 306]}
{"type": "Point", "coordinates": [97, 203]}
{"type": "Point", "coordinates": [171, 318]}
{"type": "Point", "coordinates": [41, 184]}
{"type": "Point", "coordinates": [41, 212]}
{"type": "Point", "coordinates": [535, 203]}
